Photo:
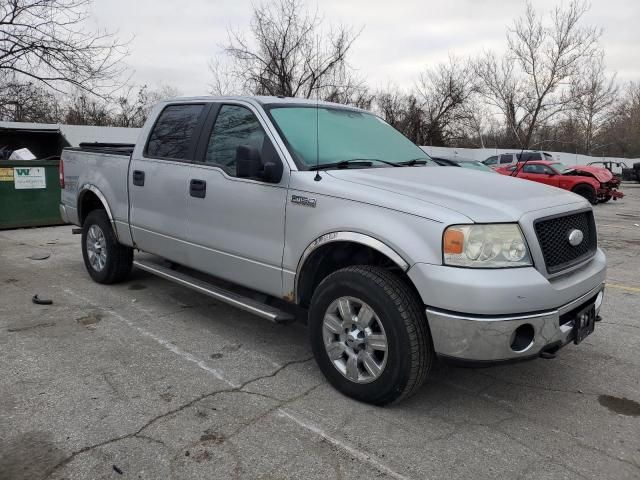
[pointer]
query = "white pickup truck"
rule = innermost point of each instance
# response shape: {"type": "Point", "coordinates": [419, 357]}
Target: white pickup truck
{"type": "Point", "coordinates": [327, 210]}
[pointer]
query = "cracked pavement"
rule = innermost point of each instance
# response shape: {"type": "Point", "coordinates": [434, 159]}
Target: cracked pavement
{"type": "Point", "coordinates": [149, 380]}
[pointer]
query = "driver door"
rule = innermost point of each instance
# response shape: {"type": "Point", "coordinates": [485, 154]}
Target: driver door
{"type": "Point", "coordinates": [236, 224]}
{"type": "Point", "coordinates": [540, 173]}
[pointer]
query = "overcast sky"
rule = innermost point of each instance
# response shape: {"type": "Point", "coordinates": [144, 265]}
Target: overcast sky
{"type": "Point", "coordinates": [174, 40]}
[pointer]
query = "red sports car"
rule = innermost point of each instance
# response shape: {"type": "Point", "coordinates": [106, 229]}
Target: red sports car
{"type": "Point", "coordinates": [593, 183]}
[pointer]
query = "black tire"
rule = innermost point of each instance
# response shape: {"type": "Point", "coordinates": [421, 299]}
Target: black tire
{"type": "Point", "coordinates": [119, 258]}
{"type": "Point", "coordinates": [605, 199]}
{"type": "Point", "coordinates": [409, 354]}
{"type": "Point", "coordinates": [586, 191]}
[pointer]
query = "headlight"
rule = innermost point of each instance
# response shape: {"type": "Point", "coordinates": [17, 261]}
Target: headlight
{"type": "Point", "coordinates": [485, 246]}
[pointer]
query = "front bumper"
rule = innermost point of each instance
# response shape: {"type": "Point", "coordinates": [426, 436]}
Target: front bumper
{"type": "Point", "coordinates": [487, 338]}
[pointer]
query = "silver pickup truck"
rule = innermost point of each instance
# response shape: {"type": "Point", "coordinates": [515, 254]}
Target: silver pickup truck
{"type": "Point", "coordinates": [280, 206]}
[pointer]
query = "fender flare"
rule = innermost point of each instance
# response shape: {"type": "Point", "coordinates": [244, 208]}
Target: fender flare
{"type": "Point", "coordinates": [353, 237]}
{"type": "Point", "coordinates": [88, 187]}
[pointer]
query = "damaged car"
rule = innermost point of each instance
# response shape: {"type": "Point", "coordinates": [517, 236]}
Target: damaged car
{"type": "Point", "coordinates": [597, 185]}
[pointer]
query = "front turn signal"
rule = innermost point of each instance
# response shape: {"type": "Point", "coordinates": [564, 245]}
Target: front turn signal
{"type": "Point", "coordinates": [453, 241]}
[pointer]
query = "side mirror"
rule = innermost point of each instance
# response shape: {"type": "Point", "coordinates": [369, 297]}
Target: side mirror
{"type": "Point", "coordinates": [250, 164]}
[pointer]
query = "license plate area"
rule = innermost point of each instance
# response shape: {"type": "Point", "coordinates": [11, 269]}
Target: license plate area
{"type": "Point", "coordinates": [584, 323]}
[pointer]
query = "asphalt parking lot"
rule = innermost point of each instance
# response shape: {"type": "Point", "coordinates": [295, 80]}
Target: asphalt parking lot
{"type": "Point", "coordinates": [149, 380]}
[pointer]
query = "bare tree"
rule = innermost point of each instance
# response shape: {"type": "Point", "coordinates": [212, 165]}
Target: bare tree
{"type": "Point", "coordinates": [528, 85]}
{"type": "Point", "coordinates": [621, 135]}
{"type": "Point", "coordinates": [134, 105]}
{"type": "Point", "coordinates": [594, 94]}
{"type": "Point", "coordinates": [85, 109]}
{"type": "Point", "coordinates": [44, 41]}
{"type": "Point", "coordinates": [500, 88]}
{"type": "Point", "coordinates": [444, 90]}
{"type": "Point", "coordinates": [288, 54]}
{"type": "Point", "coordinates": [26, 102]}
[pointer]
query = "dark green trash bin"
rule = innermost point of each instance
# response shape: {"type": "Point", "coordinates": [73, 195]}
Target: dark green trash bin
{"type": "Point", "coordinates": [29, 193]}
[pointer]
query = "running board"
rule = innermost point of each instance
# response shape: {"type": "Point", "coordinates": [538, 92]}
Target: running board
{"type": "Point", "coordinates": [243, 303]}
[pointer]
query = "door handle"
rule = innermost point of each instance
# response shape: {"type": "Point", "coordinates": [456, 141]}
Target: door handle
{"type": "Point", "coordinates": [138, 178]}
{"type": "Point", "coordinates": [197, 188]}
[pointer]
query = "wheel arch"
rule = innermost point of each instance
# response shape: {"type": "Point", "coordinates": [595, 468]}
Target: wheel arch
{"type": "Point", "coordinates": [336, 250]}
{"type": "Point", "coordinates": [91, 198]}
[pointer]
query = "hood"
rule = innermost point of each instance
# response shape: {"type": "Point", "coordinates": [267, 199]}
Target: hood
{"type": "Point", "coordinates": [479, 196]}
{"type": "Point", "coordinates": [601, 174]}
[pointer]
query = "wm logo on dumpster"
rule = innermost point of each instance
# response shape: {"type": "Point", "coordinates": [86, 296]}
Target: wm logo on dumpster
{"type": "Point", "coordinates": [22, 171]}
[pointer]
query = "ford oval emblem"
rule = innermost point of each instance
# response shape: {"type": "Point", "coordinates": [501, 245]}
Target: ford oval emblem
{"type": "Point", "coordinates": [575, 237]}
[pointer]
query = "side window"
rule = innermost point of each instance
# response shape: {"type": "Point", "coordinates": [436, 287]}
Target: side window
{"type": "Point", "coordinates": [235, 126]}
{"type": "Point", "coordinates": [491, 160]}
{"type": "Point", "coordinates": [505, 158]}
{"type": "Point", "coordinates": [171, 135]}
{"type": "Point", "coordinates": [531, 168]}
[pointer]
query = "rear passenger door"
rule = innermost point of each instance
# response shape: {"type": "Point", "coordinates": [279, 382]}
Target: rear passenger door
{"type": "Point", "coordinates": [237, 224]}
{"type": "Point", "coordinates": [159, 181]}
{"type": "Point", "coordinates": [506, 159]}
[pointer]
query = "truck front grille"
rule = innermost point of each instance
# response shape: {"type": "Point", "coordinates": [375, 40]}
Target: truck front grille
{"type": "Point", "coordinates": [553, 235]}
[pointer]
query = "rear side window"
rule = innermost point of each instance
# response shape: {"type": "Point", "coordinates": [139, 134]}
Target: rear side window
{"type": "Point", "coordinates": [528, 156]}
{"type": "Point", "coordinates": [172, 134]}
{"type": "Point", "coordinates": [505, 158]}
{"type": "Point", "coordinates": [235, 126]}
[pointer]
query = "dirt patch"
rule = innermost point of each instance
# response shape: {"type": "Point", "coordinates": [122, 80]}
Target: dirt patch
{"type": "Point", "coordinates": [167, 397]}
{"type": "Point", "coordinates": [212, 437]}
{"type": "Point", "coordinates": [90, 320]}
{"type": "Point", "coordinates": [622, 406]}
{"type": "Point", "coordinates": [31, 327]}
{"type": "Point", "coordinates": [201, 456]}
{"type": "Point", "coordinates": [137, 286]}
{"type": "Point", "coordinates": [11, 281]}
{"type": "Point", "coordinates": [27, 456]}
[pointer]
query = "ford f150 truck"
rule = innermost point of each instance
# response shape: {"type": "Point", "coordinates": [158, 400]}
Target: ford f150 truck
{"type": "Point", "coordinates": [281, 205]}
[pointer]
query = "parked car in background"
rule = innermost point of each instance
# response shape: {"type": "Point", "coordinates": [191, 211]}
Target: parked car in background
{"type": "Point", "coordinates": [593, 183]}
{"type": "Point", "coordinates": [620, 169]}
{"type": "Point", "coordinates": [454, 161]}
{"type": "Point", "coordinates": [513, 158]}
{"type": "Point", "coordinates": [392, 260]}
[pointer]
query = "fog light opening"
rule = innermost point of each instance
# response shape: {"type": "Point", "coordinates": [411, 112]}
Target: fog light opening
{"type": "Point", "coordinates": [522, 338]}
{"type": "Point", "coordinates": [598, 302]}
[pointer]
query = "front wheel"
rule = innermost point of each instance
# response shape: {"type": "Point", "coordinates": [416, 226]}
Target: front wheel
{"type": "Point", "coordinates": [605, 199]}
{"type": "Point", "coordinates": [588, 192]}
{"type": "Point", "coordinates": [369, 335]}
{"type": "Point", "coordinates": [106, 260]}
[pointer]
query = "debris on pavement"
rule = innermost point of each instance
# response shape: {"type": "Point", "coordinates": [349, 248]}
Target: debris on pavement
{"type": "Point", "coordinates": [39, 256]}
{"type": "Point", "coordinates": [41, 301]}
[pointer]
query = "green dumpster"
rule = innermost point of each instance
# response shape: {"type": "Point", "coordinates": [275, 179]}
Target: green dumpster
{"type": "Point", "coordinates": [29, 193]}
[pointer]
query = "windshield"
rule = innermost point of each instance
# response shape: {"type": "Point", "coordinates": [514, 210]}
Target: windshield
{"type": "Point", "coordinates": [560, 167]}
{"type": "Point", "coordinates": [476, 166]}
{"type": "Point", "coordinates": [344, 135]}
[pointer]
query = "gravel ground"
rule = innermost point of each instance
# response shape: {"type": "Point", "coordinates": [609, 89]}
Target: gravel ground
{"type": "Point", "coordinates": [149, 380]}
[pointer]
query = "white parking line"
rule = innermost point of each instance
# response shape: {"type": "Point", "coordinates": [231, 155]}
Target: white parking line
{"type": "Point", "coordinates": [354, 452]}
{"type": "Point", "coordinates": [165, 343]}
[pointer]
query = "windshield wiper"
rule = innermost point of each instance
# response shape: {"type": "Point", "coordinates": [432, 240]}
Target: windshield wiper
{"type": "Point", "coordinates": [353, 162]}
{"type": "Point", "coordinates": [413, 161]}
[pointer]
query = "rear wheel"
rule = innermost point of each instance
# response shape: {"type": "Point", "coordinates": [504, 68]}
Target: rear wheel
{"type": "Point", "coordinates": [369, 335]}
{"type": "Point", "coordinates": [588, 192]}
{"type": "Point", "coordinates": [106, 260]}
